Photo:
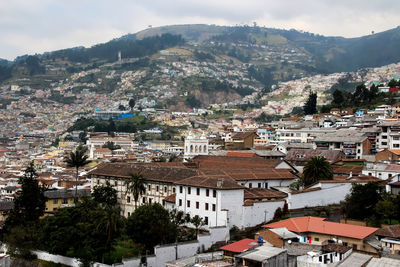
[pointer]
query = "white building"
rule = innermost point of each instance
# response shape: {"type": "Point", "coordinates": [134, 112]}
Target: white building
{"type": "Point", "coordinates": [196, 143]}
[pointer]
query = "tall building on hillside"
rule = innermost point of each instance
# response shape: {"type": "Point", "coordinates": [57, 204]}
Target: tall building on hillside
{"type": "Point", "coordinates": [196, 143]}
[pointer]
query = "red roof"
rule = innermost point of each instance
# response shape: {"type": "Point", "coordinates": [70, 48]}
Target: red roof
{"type": "Point", "coordinates": [240, 154]}
{"type": "Point", "coordinates": [318, 225]}
{"type": "Point", "coordinates": [241, 246]}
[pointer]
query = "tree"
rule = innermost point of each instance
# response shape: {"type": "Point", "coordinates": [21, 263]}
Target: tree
{"type": "Point", "coordinates": [150, 225]}
{"type": "Point", "coordinates": [121, 107]}
{"type": "Point", "coordinates": [310, 107]}
{"type": "Point", "coordinates": [198, 222]}
{"type": "Point", "coordinates": [136, 185]}
{"type": "Point", "coordinates": [338, 98]}
{"type": "Point", "coordinates": [105, 195]}
{"type": "Point", "coordinates": [77, 160]}
{"type": "Point", "coordinates": [386, 208]}
{"type": "Point", "coordinates": [132, 103]}
{"type": "Point", "coordinates": [361, 201]}
{"type": "Point", "coordinates": [21, 225]}
{"type": "Point", "coordinates": [178, 218]}
{"type": "Point", "coordinates": [30, 203]}
{"type": "Point", "coordinates": [316, 169]}
{"type": "Point", "coordinates": [85, 231]}
{"type": "Point", "coordinates": [111, 145]}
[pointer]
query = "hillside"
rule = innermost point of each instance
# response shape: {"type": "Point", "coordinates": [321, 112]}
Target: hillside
{"type": "Point", "coordinates": [186, 66]}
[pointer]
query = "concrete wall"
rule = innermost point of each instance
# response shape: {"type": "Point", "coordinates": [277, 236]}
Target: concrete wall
{"type": "Point", "coordinates": [259, 212]}
{"type": "Point", "coordinates": [57, 258]}
{"type": "Point", "coordinates": [329, 194]}
{"type": "Point", "coordinates": [231, 201]}
{"type": "Point", "coordinates": [165, 253]}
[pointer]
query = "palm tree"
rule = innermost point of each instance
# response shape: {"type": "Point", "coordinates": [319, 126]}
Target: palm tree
{"type": "Point", "coordinates": [77, 159]}
{"type": "Point", "coordinates": [316, 168]}
{"type": "Point", "coordinates": [136, 185]}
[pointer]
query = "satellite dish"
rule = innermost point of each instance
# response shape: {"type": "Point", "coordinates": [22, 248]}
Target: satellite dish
{"type": "Point", "coordinates": [289, 241]}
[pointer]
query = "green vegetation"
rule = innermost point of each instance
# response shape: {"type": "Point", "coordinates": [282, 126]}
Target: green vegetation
{"type": "Point", "coordinates": [56, 96]}
{"type": "Point", "coordinates": [310, 107]}
{"type": "Point", "coordinates": [362, 97]}
{"type": "Point", "coordinates": [129, 49]}
{"type": "Point", "coordinates": [77, 160]}
{"type": "Point", "coordinates": [130, 125]}
{"type": "Point", "coordinates": [371, 203]}
{"type": "Point", "coordinates": [92, 230]}
{"type": "Point", "coordinates": [110, 145]}
{"type": "Point", "coordinates": [316, 168]}
{"type": "Point", "coordinates": [19, 230]}
{"type": "Point", "coordinates": [136, 185]}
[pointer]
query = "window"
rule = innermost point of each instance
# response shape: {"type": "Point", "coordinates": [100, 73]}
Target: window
{"type": "Point", "coordinates": [180, 202]}
{"type": "Point", "coordinates": [157, 188]}
{"type": "Point", "coordinates": [370, 174]}
{"type": "Point", "coordinates": [55, 201]}
{"type": "Point", "coordinates": [173, 190]}
{"type": "Point", "coordinates": [213, 207]}
{"type": "Point", "coordinates": [384, 136]}
{"type": "Point", "coordinates": [128, 199]}
{"type": "Point", "coordinates": [65, 201]}
{"type": "Point", "coordinates": [396, 145]}
{"type": "Point", "coordinates": [188, 204]}
{"type": "Point", "coordinates": [206, 220]}
{"type": "Point", "coordinates": [180, 189]}
{"type": "Point", "coordinates": [214, 193]}
{"type": "Point", "coordinates": [390, 175]}
{"type": "Point", "coordinates": [266, 185]}
{"type": "Point", "coordinates": [250, 185]}
{"type": "Point", "coordinates": [197, 205]}
{"type": "Point", "coordinates": [149, 187]}
{"type": "Point", "coordinates": [129, 214]}
{"type": "Point", "coordinates": [207, 192]}
{"type": "Point", "coordinates": [198, 191]}
{"type": "Point", "coordinates": [259, 185]}
{"type": "Point", "coordinates": [189, 190]}
{"type": "Point", "coordinates": [143, 200]}
{"type": "Point", "coordinates": [206, 206]}
{"type": "Point", "coordinates": [384, 143]}
{"type": "Point", "coordinates": [316, 239]}
{"type": "Point", "coordinates": [115, 183]}
{"type": "Point", "coordinates": [150, 200]}
{"type": "Point", "coordinates": [165, 189]}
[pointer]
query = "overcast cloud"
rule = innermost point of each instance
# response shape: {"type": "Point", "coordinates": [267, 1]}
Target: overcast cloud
{"type": "Point", "coordinates": [36, 26]}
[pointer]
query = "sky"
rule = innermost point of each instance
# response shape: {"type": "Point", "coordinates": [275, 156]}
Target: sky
{"type": "Point", "coordinates": [37, 26]}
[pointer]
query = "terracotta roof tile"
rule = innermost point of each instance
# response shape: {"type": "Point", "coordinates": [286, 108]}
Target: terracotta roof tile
{"type": "Point", "coordinates": [171, 198]}
{"type": "Point", "coordinates": [214, 182]}
{"type": "Point", "coordinates": [318, 225]}
{"type": "Point", "coordinates": [240, 246]}
{"type": "Point", "coordinates": [240, 154]}
{"type": "Point", "coordinates": [152, 171]}
{"type": "Point", "coordinates": [389, 231]}
{"type": "Point", "coordinates": [263, 193]}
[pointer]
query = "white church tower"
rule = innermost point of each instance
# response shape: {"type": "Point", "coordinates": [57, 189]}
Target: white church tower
{"type": "Point", "coordinates": [196, 143]}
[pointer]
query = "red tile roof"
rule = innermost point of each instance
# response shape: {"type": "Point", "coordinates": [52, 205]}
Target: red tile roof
{"type": "Point", "coordinates": [319, 225]}
{"type": "Point", "coordinates": [240, 246]}
{"type": "Point", "coordinates": [240, 154]}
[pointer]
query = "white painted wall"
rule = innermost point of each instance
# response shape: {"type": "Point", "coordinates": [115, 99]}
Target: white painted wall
{"type": "Point", "coordinates": [330, 193]}
{"type": "Point", "coordinates": [260, 212]}
{"type": "Point", "coordinates": [42, 255]}
{"type": "Point", "coordinates": [270, 183]}
{"type": "Point", "coordinates": [232, 202]}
